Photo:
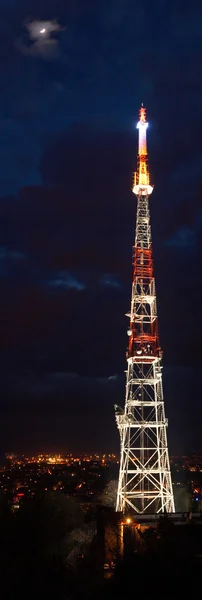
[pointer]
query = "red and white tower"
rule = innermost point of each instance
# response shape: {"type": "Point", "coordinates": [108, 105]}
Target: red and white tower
{"type": "Point", "coordinates": [144, 478]}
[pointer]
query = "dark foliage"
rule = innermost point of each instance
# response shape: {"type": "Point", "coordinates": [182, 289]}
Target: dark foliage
{"type": "Point", "coordinates": [32, 548]}
{"type": "Point", "coordinates": [164, 560]}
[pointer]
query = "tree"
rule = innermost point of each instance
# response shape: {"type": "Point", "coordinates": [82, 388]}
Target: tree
{"type": "Point", "coordinates": [183, 499]}
{"type": "Point", "coordinates": [108, 496]}
{"type": "Point", "coordinates": [34, 547]}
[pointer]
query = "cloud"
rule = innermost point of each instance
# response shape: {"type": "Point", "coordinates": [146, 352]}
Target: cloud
{"type": "Point", "coordinates": [12, 255]}
{"type": "Point", "coordinates": [42, 43]}
{"type": "Point", "coordinates": [66, 281]}
{"type": "Point", "coordinates": [41, 29]}
{"type": "Point", "coordinates": [110, 280]}
{"type": "Point", "coordinates": [183, 238]}
{"type": "Point", "coordinates": [9, 258]}
{"type": "Point", "coordinates": [47, 384]}
{"type": "Point", "coordinates": [187, 237]}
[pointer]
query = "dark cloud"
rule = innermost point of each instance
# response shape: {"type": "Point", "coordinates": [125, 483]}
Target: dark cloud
{"type": "Point", "coordinates": [9, 260]}
{"type": "Point", "coordinates": [66, 402]}
{"type": "Point", "coordinates": [45, 49]}
{"type": "Point", "coordinates": [183, 238]}
{"type": "Point", "coordinates": [45, 385]}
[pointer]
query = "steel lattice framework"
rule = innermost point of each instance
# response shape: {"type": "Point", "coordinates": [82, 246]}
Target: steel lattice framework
{"type": "Point", "coordinates": [144, 478]}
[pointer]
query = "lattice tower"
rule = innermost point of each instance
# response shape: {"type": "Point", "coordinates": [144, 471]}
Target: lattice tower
{"type": "Point", "coordinates": [144, 477]}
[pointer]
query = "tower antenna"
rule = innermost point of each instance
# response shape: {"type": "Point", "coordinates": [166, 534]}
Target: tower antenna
{"type": "Point", "coordinates": [144, 476]}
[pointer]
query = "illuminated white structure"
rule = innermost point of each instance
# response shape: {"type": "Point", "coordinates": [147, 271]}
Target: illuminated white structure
{"type": "Point", "coordinates": [144, 478]}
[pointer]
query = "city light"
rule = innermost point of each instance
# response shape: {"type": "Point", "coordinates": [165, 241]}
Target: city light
{"type": "Point", "coordinates": [84, 476]}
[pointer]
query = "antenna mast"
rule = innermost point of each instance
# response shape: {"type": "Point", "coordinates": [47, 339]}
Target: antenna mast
{"type": "Point", "coordinates": [145, 484]}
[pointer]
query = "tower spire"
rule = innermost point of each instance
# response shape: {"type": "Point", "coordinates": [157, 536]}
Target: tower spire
{"type": "Point", "coordinates": [141, 183]}
{"type": "Point", "coordinates": [144, 477]}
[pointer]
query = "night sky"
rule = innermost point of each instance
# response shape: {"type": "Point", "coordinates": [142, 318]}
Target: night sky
{"type": "Point", "coordinates": [69, 104]}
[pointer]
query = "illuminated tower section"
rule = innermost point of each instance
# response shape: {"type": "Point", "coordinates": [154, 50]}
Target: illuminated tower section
{"type": "Point", "coordinates": [144, 477]}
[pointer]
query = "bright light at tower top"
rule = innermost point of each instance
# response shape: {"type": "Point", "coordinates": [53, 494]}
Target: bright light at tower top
{"type": "Point", "coordinates": [142, 126]}
{"type": "Point", "coordinates": [141, 184]}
